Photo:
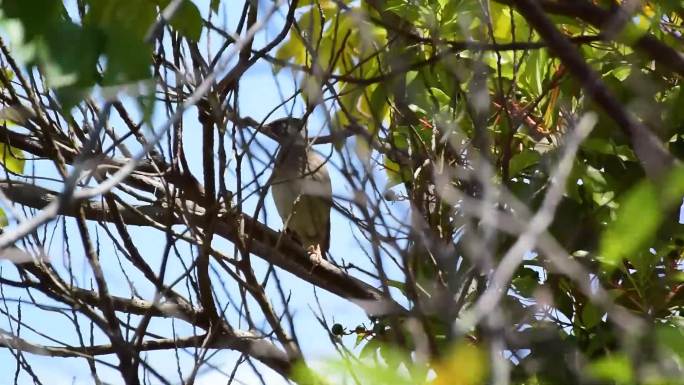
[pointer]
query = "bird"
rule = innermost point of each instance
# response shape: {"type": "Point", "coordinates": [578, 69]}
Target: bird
{"type": "Point", "coordinates": [301, 188]}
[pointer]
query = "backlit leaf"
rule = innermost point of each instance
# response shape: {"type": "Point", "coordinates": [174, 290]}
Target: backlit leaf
{"type": "Point", "coordinates": [12, 159]}
{"type": "Point", "coordinates": [617, 368]}
{"type": "Point", "coordinates": [188, 21]}
{"type": "Point", "coordinates": [637, 220]}
{"type": "Point", "coordinates": [466, 365]}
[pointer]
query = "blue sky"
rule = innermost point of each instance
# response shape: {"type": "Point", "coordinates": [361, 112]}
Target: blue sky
{"type": "Point", "coordinates": [258, 96]}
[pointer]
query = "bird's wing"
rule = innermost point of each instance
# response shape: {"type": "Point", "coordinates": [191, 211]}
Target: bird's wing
{"type": "Point", "coordinates": [310, 221]}
{"type": "Point", "coordinates": [325, 245]}
{"type": "Point", "coordinates": [285, 193]}
{"type": "Point", "coordinates": [317, 188]}
{"type": "Point", "coordinates": [303, 198]}
{"type": "Point", "coordinates": [317, 178]}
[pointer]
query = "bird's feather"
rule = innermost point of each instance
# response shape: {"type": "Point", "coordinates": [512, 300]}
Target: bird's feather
{"type": "Point", "coordinates": [302, 192]}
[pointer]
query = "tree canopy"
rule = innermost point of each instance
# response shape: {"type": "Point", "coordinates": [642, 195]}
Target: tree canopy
{"type": "Point", "coordinates": [507, 186]}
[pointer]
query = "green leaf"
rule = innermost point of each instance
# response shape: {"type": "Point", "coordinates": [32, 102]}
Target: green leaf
{"type": "Point", "coordinates": [370, 349]}
{"type": "Point", "coordinates": [67, 53]}
{"type": "Point", "coordinates": [135, 17]}
{"type": "Point", "coordinates": [672, 338]}
{"type": "Point", "coordinates": [526, 281]}
{"type": "Point", "coordinates": [128, 59]}
{"type": "Point", "coordinates": [591, 315]}
{"type": "Point", "coordinates": [293, 50]}
{"type": "Point", "coordinates": [613, 368]}
{"type": "Point", "coordinates": [622, 72]}
{"type": "Point", "coordinates": [673, 189]}
{"type": "Point", "coordinates": [359, 338]}
{"type": "Point", "coordinates": [632, 32]}
{"type": "Point", "coordinates": [74, 52]}
{"type": "Point", "coordinates": [124, 25]}
{"type": "Point", "coordinates": [146, 107]}
{"type": "Point", "coordinates": [339, 122]}
{"type": "Point", "coordinates": [441, 96]}
{"type": "Point", "coordinates": [70, 59]}
{"type": "Point", "coordinates": [391, 357]}
{"type": "Point", "coordinates": [312, 89]}
{"type": "Point", "coordinates": [188, 21]}
{"type": "Point", "coordinates": [521, 161]}
{"type": "Point", "coordinates": [638, 217]}
{"type": "Point", "coordinates": [37, 16]}
{"type": "Point", "coordinates": [466, 365]}
{"type": "Point", "coordinates": [215, 5]}
{"type": "Point", "coordinates": [3, 219]}
{"type": "Point", "coordinates": [535, 71]}
{"type": "Point", "coordinates": [594, 178]}
{"type": "Point", "coordinates": [397, 284]}
{"type": "Point", "coordinates": [363, 151]}
{"type": "Point", "coordinates": [393, 171]}
{"type": "Point", "coordinates": [607, 147]}
{"type": "Point", "coordinates": [12, 159]}
{"type": "Point", "coordinates": [302, 373]}
{"type": "Point", "coordinates": [602, 198]}
{"type": "Point", "coordinates": [396, 174]}
{"type": "Point", "coordinates": [379, 107]}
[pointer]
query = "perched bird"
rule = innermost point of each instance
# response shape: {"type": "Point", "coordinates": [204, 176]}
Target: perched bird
{"type": "Point", "coordinates": [301, 187]}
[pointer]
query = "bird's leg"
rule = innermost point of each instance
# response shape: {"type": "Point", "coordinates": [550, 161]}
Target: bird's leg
{"type": "Point", "coordinates": [315, 254]}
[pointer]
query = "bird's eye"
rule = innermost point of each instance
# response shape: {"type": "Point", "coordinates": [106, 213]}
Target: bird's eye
{"type": "Point", "coordinates": [277, 128]}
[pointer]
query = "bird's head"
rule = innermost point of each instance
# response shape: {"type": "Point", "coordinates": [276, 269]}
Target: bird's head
{"type": "Point", "coordinates": [287, 129]}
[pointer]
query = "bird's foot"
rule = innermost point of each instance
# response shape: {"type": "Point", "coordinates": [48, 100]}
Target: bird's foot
{"type": "Point", "coordinates": [315, 256]}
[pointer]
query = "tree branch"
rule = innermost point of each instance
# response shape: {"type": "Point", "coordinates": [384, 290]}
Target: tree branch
{"type": "Point", "coordinates": [241, 341]}
{"type": "Point", "coordinates": [288, 254]}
